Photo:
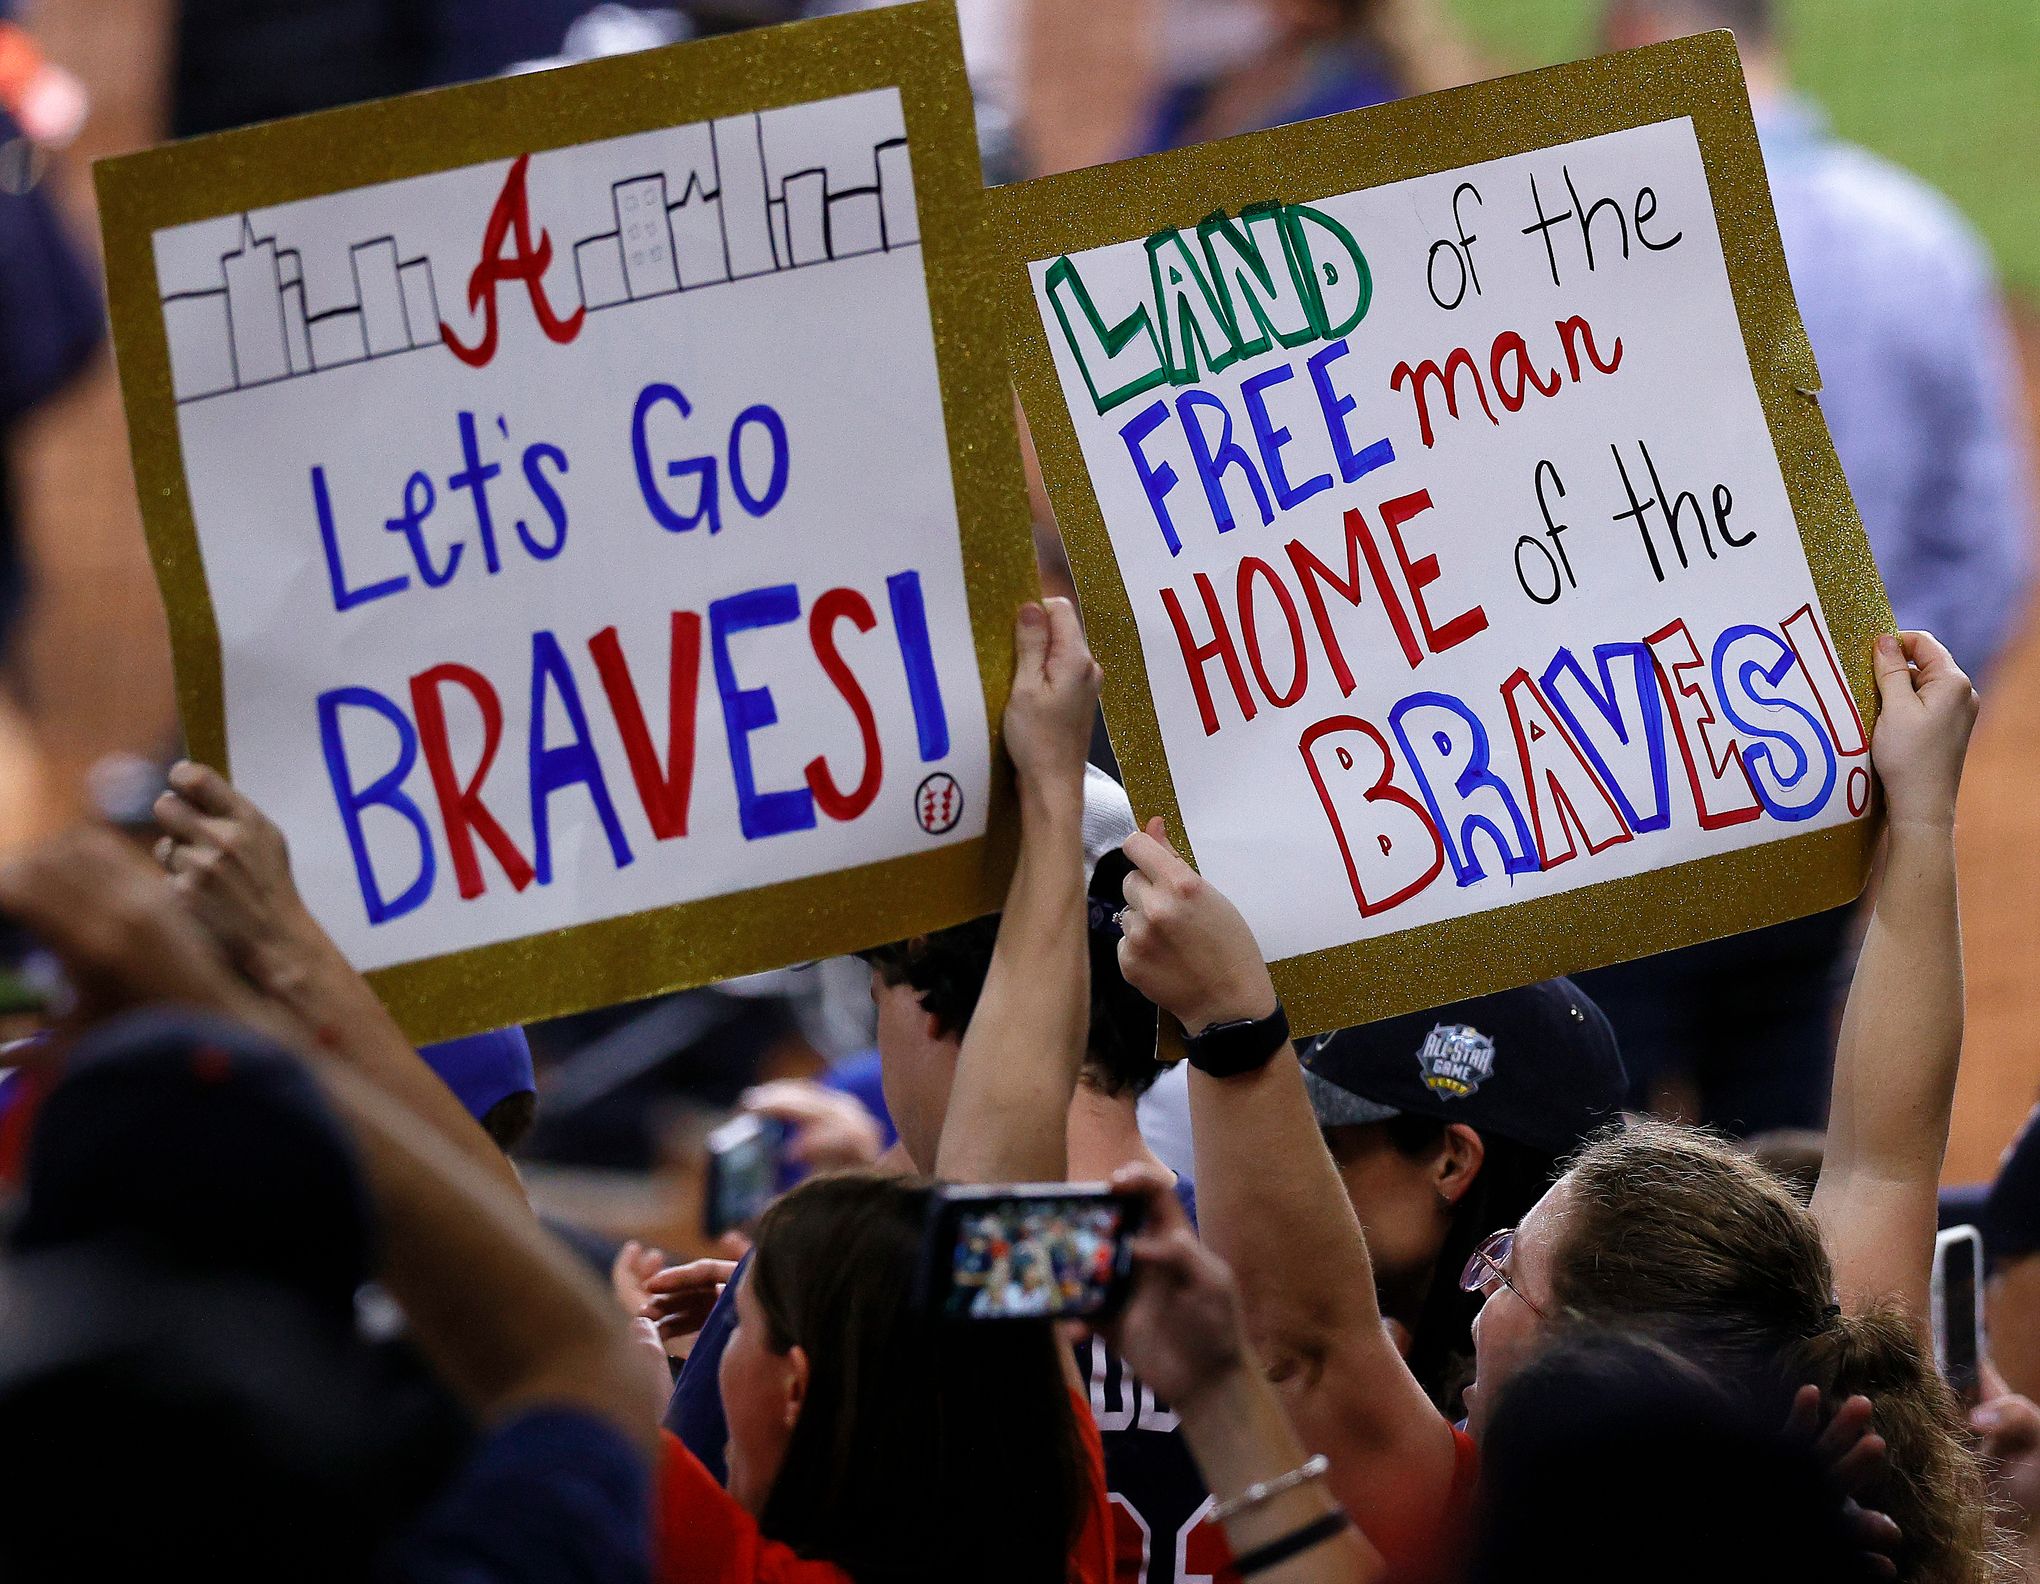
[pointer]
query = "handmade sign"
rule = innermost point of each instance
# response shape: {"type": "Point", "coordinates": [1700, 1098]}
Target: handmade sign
{"type": "Point", "coordinates": [1479, 595]}
{"type": "Point", "coordinates": [588, 521]}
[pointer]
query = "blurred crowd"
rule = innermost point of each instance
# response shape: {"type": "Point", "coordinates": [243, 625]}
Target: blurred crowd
{"type": "Point", "coordinates": [1332, 1320]}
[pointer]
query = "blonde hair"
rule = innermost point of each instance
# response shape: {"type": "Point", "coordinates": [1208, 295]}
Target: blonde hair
{"type": "Point", "coordinates": [1675, 1232]}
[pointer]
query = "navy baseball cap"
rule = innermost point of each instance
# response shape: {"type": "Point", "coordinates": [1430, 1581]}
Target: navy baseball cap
{"type": "Point", "coordinates": [2011, 1214]}
{"type": "Point", "coordinates": [257, 1413]}
{"type": "Point", "coordinates": [199, 1144]}
{"type": "Point", "coordinates": [483, 1070]}
{"type": "Point", "coordinates": [1538, 1065]}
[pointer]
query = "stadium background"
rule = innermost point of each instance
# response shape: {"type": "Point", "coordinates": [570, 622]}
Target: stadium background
{"type": "Point", "coordinates": [1951, 90]}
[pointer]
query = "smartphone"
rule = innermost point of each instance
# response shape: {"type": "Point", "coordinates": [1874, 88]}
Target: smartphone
{"type": "Point", "coordinates": [743, 1173]}
{"type": "Point", "coordinates": [1957, 1307]}
{"type": "Point", "coordinates": [1057, 1251]}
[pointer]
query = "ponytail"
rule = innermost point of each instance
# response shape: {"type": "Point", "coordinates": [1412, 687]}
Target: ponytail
{"type": "Point", "coordinates": [1931, 1484]}
{"type": "Point", "coordinates": [1678, 1234]}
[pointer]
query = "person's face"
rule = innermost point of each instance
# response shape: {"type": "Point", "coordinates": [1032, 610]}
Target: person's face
{"type": "Point", "coordinates": [916, 1067]}
{"type": "Point", "coordinates": [761, 1395]}
{"type": "Point", "coordinates": [1404, 1204]}
{"type": "Point", "coordinates": [1631, 24]}
{"type": "Point", "coordinates": [1305, 19]}
{"type": "Point", "coordinates": [1510, 1327]}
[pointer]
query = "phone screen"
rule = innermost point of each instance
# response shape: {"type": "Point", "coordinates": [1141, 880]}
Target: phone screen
{"type": "Point", "coordinates": [1959, 1340]}
{"type": "Point", "coordinates": [1958, 1344]}
{"type": "Point", "coordinates": [1033, 1256]}
{"type": "Point", "coordinates": [743, 1173]}
{"type": "Point", "coordinates": [30, 980]}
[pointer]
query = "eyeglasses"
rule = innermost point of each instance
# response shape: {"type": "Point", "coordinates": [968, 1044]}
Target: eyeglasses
{"type": "Point", "coordinates": [1486, 1269]}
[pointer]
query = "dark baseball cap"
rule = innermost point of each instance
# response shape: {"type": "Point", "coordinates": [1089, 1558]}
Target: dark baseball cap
{"type": "Point", "coordinates": [200, 1144]}
{"type": "Point", "coordinates": [1538, 1065]}
{"type": "Point", "coordinates": [257, 1414]}
{"type": "Point", "coordinates": [2011, 1213]}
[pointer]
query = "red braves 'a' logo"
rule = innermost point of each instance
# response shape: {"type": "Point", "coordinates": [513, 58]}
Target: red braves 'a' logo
{"type": "Point", "coordinates": [511, 221]}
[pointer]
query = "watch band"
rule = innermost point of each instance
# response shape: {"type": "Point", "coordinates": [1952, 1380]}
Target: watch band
{"type": "Point", "coordinates": [1295, 1543]}
{"type": "Point", "coordinates": [1226, 1050]}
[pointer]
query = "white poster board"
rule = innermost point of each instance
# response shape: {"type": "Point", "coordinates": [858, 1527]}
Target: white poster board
{"type": "Point", "coordinates": [580, 529]}
{"type": "Point", "coordinates": [1459, 569]}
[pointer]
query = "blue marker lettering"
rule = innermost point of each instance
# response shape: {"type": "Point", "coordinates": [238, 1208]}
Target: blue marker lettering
{"type": "Point", "coordinates": [344, 598]}
{"type": "Point", "coordinates": [572, 762]}
{"type": "Point", "coordinates": [746, 710]}
{"type": "Point", "coordinates": [1775, 719]}
{"type": "Point", "coordinates": [924, 689]}
{"type": "Point", "coordinates": [386, 791]}
{"type": "Point", "coordinates": [1565, 677]}
{"type": "Point", "coordinates": [1453, 734]}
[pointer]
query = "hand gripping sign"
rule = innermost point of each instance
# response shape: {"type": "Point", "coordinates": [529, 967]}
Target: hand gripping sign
{"type": "Point", "coordinates": [583, 525]}
{"type": "Point", "coordinates": [1479, 594]}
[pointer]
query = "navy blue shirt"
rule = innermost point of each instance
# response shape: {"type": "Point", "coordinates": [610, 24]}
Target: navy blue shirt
{"type": "Point", "coordinates": [694, 1412]}
{"type": "Point", "coordinates": [554, 1496]}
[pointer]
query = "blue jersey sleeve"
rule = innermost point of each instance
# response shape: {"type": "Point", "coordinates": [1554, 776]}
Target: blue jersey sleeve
{"type": "Point", "coordinates": [694, 1413]}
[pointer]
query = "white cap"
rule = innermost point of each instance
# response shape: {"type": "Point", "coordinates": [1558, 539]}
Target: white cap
{"type": "Point", "coordinates": [1108, 816]}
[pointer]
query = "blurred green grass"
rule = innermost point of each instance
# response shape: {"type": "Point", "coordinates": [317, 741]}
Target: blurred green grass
{"type": "Point", "coordinates": [1950, 89]}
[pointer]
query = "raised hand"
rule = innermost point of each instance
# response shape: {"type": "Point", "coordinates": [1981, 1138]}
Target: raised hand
{"type": "Point", "coordinates": [1184, 945]}
{"type": "Point", "coordinates": [634, 1265]}
{"type": "Point", "coordinates": [1928, 710]}
{"type": "Point", "coordinates": [1856, 1457]}
{"type": "Point", "coordinates": [230, 864]}
{"type": "Point", "coordinates": [827, 1130]}
{"type": "Point", "coordinates": [1054, 697]}
{"type": "Point", "coordinates": [1180, 1330]}
{"type": "Point", "coordinates": [2008, 1435]}
{"type": "Point", "coordinates": [124, 939]}
{"type": "Point", "coordinates": [678, 1299]}
{"type": "Point", "coordinates": [1878, 1200]}
{"type": "Point", "coordinates": [1008, 1113]}
{"type": "Point", "coordinates": [1182, 1333]}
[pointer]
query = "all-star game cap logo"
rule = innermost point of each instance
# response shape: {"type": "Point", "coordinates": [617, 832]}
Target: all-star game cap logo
{"type": "Point", "coordinates": [1455, 1059]}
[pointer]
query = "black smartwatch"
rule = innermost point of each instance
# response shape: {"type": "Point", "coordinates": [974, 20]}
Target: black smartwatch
{"type": "Point", "coordinates": [1226, 1050]}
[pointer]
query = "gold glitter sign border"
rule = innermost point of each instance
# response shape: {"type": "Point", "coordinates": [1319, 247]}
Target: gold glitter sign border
{"type": "Point", "coordinates": [1698, 77]}
{"type": "Point", "coordinates": [915, 48]}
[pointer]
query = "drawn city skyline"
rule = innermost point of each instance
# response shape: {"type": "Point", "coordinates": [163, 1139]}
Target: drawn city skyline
{"type": "Point", "coordinates": [257, 327]}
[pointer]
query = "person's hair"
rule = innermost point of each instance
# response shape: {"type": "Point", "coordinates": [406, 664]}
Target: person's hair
{"type": "Point", "coordinates": [1512, 1178]}
{"type": "Point", "coordinates": [925, 1449]}
{"type": "Point", "coordinates": [946, 971]}
{"type": "Point", "coordinates": [1594, 1447]}
{"type": "Point", "coordinates": [510, 1121]}
{"type": "Point", "coordinates": [1678, 1233]}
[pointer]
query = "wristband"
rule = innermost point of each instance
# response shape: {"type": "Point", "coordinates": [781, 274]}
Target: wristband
{"type": "Point", "coordinates": [1226, 1050]}
{"type": "Point", "coordinates": [1295, 1543]}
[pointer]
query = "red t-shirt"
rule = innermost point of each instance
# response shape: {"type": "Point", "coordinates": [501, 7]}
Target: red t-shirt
{"type": "Point", "coordinates": [1418, 1542]}
{"type": "Point", "coordinates": [1443, 1554]}
{"type": "Point", "coordinates": [704, 1536]}
{"type": "Point", "coordinates": [1465, 1473]}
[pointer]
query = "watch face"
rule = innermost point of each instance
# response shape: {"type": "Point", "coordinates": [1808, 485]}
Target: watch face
{"type": "Point", "coordinates": [1226, 1049]}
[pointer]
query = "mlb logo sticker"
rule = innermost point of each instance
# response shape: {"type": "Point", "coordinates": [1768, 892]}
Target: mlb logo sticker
{"type": "Point", "coordinates": [1455, 1059]}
